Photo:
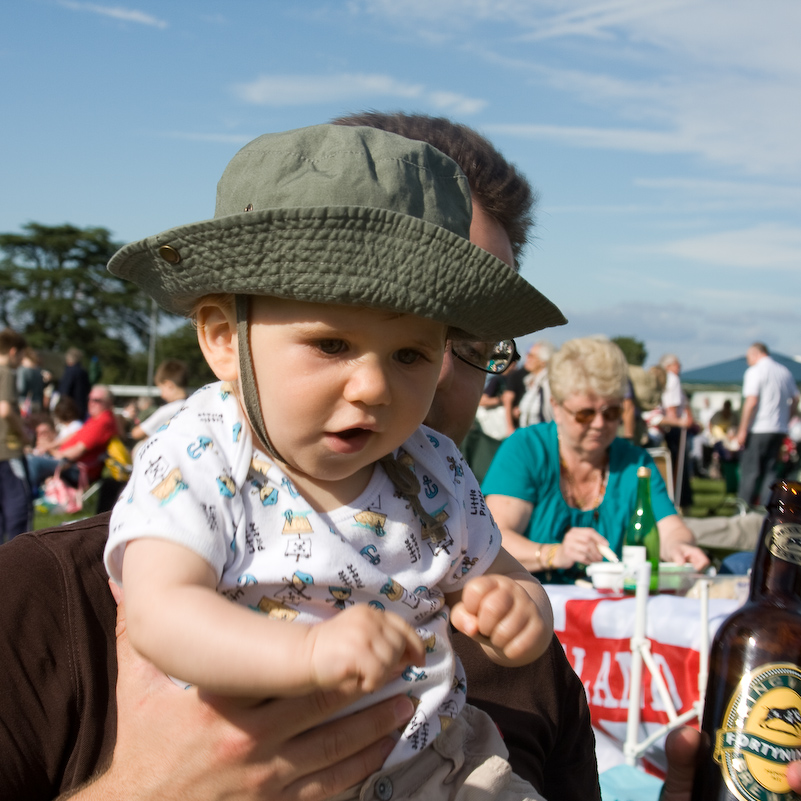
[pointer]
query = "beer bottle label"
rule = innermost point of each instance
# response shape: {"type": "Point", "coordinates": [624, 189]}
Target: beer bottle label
{"type": "Point", "coordinates": [761, 733]}
{"type": "Point", "coordinates": [784, 542]}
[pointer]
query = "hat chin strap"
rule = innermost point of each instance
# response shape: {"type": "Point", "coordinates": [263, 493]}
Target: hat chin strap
{"type": "Point", "coordinates": [247, 380]}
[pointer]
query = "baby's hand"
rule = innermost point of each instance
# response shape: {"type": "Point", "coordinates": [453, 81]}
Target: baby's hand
{"type": "Point", "coordinates": [496, 611]}
{"type": "Point", "coordinates": [364, 645]}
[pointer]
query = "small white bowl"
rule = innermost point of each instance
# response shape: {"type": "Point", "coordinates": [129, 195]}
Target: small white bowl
{"type": "Point", "coordinates": [606, 575]}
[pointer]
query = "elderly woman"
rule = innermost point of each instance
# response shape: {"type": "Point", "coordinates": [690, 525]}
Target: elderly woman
{"type": "Point", "coordinates": [560, 490]}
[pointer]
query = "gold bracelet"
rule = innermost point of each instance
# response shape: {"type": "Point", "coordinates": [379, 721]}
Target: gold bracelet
{"type": "Point", "coordinates": [537, 558]}
{"type": "Point", "coordinates": [551, 557]}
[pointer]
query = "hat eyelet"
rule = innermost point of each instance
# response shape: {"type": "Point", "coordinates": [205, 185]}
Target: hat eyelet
{"type": "Point", "coordinates": [169, 254]}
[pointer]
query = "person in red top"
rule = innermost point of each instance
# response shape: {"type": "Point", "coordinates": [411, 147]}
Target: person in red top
{"type": "Point", "coordinates": [86, 447]}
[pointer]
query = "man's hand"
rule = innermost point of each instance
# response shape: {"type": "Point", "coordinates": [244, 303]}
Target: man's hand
{"type": "Point", "coordinates": [498, 612]}
{"type": "Point", "coordinates": [363, 645]}
{"type": "Point", "coordinates": [175, 744]}
{"type": "Point", "coordinates": [681, 749]}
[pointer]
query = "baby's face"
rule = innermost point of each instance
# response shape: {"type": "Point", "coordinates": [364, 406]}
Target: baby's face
{"type": "Point", "coordinates": [341, 386]}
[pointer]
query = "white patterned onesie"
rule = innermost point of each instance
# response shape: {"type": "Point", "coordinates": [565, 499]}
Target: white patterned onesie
{"type": "Point", "coordinates": [200, 482]}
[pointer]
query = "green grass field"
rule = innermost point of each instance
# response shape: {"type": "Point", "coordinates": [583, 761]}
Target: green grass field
{"type": "Point", "coordinates": [45, 520]}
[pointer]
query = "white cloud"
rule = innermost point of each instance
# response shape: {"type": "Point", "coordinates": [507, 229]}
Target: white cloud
{"type": "Point", "coordinates": [116, 12]}
{"type": "Point", "coordinates": [608, 138]}
{"type": "Point", "coordinates": [297, 90]}
{"type": "Point", "coordinates": [594, 20]}
{"type": "Point", "coordinates": [726, 194]}
{"type": "Point", "coordinates": [454, 103]}
{"type": "Point", "coordinates": [765, 246]}
{"type": "Point", "coordinates": [749, 125]}
{"type": "Point", "coordinates": [716, 79]}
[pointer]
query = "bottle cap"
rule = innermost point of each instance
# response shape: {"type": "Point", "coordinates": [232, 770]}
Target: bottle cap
{"type": "Point", "coordinates": [643, 472]}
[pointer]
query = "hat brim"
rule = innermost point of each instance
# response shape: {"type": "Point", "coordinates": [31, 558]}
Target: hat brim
{"type": "Point", "coordinates": [348, 255]}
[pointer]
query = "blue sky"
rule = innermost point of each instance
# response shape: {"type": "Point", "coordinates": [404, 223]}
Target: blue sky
{"type": "Point", "coordinates": [663, 136]}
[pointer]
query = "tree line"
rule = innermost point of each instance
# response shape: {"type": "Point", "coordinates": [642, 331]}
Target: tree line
{"type": "Point", "coordinates": [56, 291]}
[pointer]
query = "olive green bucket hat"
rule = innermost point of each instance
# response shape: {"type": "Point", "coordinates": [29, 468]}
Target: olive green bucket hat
{"type": "Point", "coordinates": [346, 215]}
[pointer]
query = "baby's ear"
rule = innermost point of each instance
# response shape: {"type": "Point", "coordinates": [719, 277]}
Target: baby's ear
{"type": "Point", "coordinates": [216, 335]}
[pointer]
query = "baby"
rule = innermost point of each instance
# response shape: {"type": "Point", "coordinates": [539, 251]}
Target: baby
{"type": "Point", "coordinates": [304, 486]}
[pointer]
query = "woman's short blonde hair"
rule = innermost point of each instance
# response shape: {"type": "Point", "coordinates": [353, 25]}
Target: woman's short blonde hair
{"type": "Point", "coordinates": [588, 366]}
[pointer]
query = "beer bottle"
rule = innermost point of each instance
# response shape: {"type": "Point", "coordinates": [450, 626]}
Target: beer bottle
{"type": "Point", "coordinates": [752, 716]}
{"type": "Point", "coordinates": [642, 528]}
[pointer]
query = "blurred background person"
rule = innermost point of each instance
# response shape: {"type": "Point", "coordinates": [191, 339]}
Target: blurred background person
{"type": "Point", "coordinates": [16, 510]}
{"type": "Point", "coordinates": [535, 405]}
{"type": "Point", "coordinates": [725, 447]}
{"type": "Point", "coordinates": [44, 432]}
{"type": "Point", "coordinates": [560, 490]}
{"type": "Point", "coordinates": [85, 449]}
{"type": "Point", "coordinates": [770, 399]}
{"type": "Point", "coordinates": [513, 391]}
{"type": "Point", "coordinates": [75, 382]}
{"type": "Point", "coordinates": [30, 383]}
{"type": "Point", "coordinates": [67, 418]}
{"type": "Point", "coordinates": [489, 428]}
{"type": "Point", "coordinates": [677, 420]}
{"type": "Point", "coordinates": [172, 380]}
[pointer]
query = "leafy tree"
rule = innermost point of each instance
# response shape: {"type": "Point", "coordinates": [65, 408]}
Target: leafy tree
{"type": "Point", "coordinates": [181, 343]}
{"type": "Point", "coordinates": [632, 348]}
{"type": "Point", "coordinates": [55, 288]}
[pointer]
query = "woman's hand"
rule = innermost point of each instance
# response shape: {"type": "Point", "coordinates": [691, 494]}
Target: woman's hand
{"type": "Point", "coordinates": [683, 553]}
{"type": "Point", "coordinates": [677, 543]}
{"type": "Point", "coordinates": [579, 545]}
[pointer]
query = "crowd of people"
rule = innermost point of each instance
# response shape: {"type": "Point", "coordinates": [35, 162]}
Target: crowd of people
{"type": "Point", "coordinates": [749, 447]}
{"type": "Point", "coordinates": [406, 202]}
{"type": "Point", "coordinates": [560, 490]}
{"type": "Point", "coordinates": [68, 428]}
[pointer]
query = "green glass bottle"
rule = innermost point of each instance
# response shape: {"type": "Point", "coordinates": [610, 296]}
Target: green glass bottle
{"type": "Point", "coordinates": [642, 528]}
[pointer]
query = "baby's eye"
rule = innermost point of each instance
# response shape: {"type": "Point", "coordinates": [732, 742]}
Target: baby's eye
{"type": "Point", "coordinates": [331, 346]}
{"type": "Point", "coordinates": [408, 356]}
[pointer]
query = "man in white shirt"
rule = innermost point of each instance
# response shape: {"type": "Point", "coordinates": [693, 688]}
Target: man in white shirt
{"type": "Point", "coordinates": [677, 417]}
{"type": "Point", "coordinates": [770, 398]}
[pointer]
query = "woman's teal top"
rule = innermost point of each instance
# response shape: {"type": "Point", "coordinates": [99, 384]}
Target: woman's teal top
{"type": "Point", "coordinates": [527, 467]}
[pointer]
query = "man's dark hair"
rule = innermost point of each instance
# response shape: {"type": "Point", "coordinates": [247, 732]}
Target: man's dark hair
{"type": "Point", "coordinates": [9, 339]}
{"type": "Point", "coordinates": [761, 347]}
{"type": "Point", "coordinates": [501, 190]}
{"type": "Point", "coordinates": [173, 370]}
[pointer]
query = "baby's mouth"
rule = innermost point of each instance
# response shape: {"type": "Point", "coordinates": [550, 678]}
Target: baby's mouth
{"type": "Point", "coordinates": [351, 433]}
{"type": "Point", "coordinates": [350, 440]}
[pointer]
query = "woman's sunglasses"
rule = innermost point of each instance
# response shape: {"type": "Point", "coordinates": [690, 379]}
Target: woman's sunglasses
{"type": "Point", "coordinates": [583, 416]}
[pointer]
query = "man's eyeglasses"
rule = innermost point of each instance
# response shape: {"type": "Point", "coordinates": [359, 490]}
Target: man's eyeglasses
{"type": "Point", "coordinates": [491, 357]}
{"type": "Point", "coordinates": [609, 413]}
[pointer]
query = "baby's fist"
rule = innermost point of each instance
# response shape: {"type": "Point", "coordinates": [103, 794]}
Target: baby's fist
{"type": "Point", "coordinates": [498, 612]}
{"type": "Point", "coordinates": [364, 644]}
